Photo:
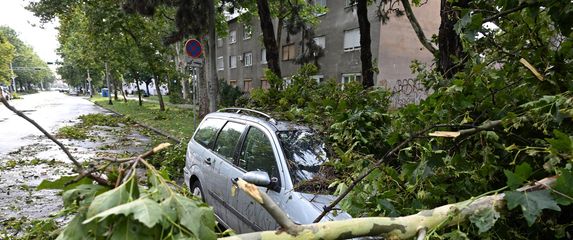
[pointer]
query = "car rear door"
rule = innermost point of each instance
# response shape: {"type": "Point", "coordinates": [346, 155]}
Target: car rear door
{"type": "Point", "coordinates": [200, 156]}
{"type": "Point", "coordinates": [221, 157]}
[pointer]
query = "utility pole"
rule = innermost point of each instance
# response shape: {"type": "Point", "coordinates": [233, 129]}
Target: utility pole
{"type": "Point", "coordinates": [108, 86]}
{"type": "Point", "coordinates": [213, 81]}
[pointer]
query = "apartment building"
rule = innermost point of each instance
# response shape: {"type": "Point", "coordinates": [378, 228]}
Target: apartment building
{"type": "Point", "coordinates": [241, 56]}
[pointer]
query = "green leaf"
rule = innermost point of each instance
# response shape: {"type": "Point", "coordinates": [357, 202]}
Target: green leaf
{"type": "Point", "coordinates": [61, 182]}
{"type": "Point", "coordinates": [531, 203]}
{"type": "Point", "coordinates": [561, 143]}
{"type": "Point", "coordinates": [128, 229]}
{"type": "Point", "coordinates": [74, 230]}
{"type": "Point", "coordinates": [484, 219]}
{"type": "Point", "coordinates": [83, 194]}
{"type": "Point", "coordinates": [522, 173]}
{"type": "Point", "coordinates": [144, 210]}
{"type": "Point", "coordinates": [563, 189]}
{"type": "Point", "coordinates": [117, 196]}
{"type": "Point", "coordinates": [198, 218]}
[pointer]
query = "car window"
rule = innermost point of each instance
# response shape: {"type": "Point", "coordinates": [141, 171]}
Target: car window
{"type": "Point", "coordinates": [228, 139]}
{"type": "Point", "coordinates": [305, 153]}
{"type": "Point", "coordinates": [257, 153]}
{"type": "Point", "coordinates": [207, 131]}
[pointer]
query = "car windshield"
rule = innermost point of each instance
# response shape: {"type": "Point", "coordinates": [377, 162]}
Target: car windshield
{"type": "Point", "coordinates": [305, 153]}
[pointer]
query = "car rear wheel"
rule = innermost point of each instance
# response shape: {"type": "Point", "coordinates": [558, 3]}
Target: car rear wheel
{"type": "Point", "coordinates": [197, 191]}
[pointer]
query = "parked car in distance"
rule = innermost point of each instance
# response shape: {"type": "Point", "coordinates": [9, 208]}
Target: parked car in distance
{"type": "Point", "coordinates": [73, 92]}
{"type": "Point", "coordinates": [274, 155]}
{"type": "Point", "coordinates": [6, 93]}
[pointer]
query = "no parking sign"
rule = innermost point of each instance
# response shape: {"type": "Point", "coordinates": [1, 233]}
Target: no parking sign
{"type": "Point", "coordinates": [193, 48]}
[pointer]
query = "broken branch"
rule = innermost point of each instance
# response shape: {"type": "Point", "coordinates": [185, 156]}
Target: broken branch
{"type": "Point", "coordinates": [395, 227]}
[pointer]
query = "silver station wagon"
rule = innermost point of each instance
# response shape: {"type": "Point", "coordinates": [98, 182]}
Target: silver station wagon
{"type": "Point", "coordinates": [274, 155]}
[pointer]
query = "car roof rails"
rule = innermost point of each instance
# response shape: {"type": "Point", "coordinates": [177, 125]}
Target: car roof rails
{"type": "Point", "coordinates": [239, 110]}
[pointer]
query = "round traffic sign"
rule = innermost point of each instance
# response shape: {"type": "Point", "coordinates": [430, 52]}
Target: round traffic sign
{"type": "Point", "coordinates": [193, 48]}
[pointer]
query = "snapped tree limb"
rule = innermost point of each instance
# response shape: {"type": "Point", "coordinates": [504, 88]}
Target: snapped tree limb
{"type": "Point", "coordinates": [390, 227]}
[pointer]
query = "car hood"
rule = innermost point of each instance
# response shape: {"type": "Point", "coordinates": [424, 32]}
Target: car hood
{"type": "Point", "coordinates": [320, 201]}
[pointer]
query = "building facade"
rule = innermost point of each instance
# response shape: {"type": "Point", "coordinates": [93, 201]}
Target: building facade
{"type": "Point", "coordinates": [241, 56]}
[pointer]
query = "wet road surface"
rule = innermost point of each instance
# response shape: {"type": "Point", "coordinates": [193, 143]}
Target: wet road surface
{"type": "Point", "coordinates": [51, 110]}
{"type": "Point", "coordinates": [27, 157]}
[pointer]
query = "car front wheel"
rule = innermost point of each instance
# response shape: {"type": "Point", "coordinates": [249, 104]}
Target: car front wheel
{"type": "Point", "coordinates": [197, 191]}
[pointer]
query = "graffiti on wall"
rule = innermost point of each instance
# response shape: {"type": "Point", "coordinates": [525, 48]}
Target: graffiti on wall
{"type": "Point", "coordinates": [406, 91]}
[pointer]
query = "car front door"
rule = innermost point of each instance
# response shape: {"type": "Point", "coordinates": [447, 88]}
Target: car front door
{"type": "Point", "coordinates": [257, 153]}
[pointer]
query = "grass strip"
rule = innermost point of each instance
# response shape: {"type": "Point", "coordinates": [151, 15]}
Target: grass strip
{"type": "Point", "coordinates": [177, 122]}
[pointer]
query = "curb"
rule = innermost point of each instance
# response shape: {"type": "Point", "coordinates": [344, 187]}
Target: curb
{"type": "Point", "coordinates": [167, 135]}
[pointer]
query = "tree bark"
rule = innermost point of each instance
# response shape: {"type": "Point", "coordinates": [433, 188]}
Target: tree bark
{"type": "Point", "coordinates": [158, 90]}
{"type": "Point", "coordinates": [450, 45]}
{"type": "Point", "coordinates": [213, 81]}
{"type": "Point", "coordinates": [365, 44]}
{"type": "Point", "coordinates": [417, 28]}
{"type": "Point", "coordinates": [138, 91]}
{"type": "Point", "coordinates": [269, 39]}
{"type": "Point", "coordinates": [202, 93]}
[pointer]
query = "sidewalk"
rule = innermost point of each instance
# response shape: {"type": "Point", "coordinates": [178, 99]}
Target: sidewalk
{"type": "Point", "coordinates": [184, 106]}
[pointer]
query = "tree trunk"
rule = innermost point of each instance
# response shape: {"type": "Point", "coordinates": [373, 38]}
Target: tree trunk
{"type": "Point", "coordinates": [159, 96]}
{"type": "Point", "coordinates": [365, 42]}
{"type": "Point", "coordinates": [450, 45]}
{"type": "Point", "coordinates": [213, 81]}
{"type": "Point", "coordinates": [202, 93]}
{"type": "Point", "coordinates": [138, 91]}
{"type": "Point", "coordinates": [269, 40]}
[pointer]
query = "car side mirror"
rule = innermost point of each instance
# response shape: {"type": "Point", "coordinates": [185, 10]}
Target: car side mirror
{"type": "Point", "coordinates": [258, 178]}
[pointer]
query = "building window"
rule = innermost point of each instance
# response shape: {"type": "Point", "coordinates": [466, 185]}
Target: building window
{"type": "Point", "coordinates": [289, 52]}
{"type": "Point", "coordinates": [322, 5]}
{"type": "Point", "coordinates": [247, 85]}
{"type": "Point", "coordinates": [352, 40]}
{"type": "Point", "coordinates": [350, 77]}
{"type": "Point", "coordinates": [320, 41]}
{"type": "Point", "coordinates": [248, 59]}
{"type": "Point", "coordinates": [232, 37]}
{"type": "Point", "coordinates": [247, 32]}
{"type": "Point", "coordinates": [318, 78]}
{"type": "Point", "coordinates": [219, 42]}
{"type": "Point", "coordinates": [263, 56]}
{"type": "Point", "coordinates": [265, 84]}
{"type": "Point", "coordinates": [232, 61]}
{"type": "Point", "coordinates": [350, 3]}
{"type": "Point", "coordinates": [220, 64]}
{"type": "Point", "coordinates": [233, 83]}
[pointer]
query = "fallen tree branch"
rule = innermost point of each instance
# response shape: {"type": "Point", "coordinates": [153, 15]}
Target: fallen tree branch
{"type": "Point", "coordinates": [78, 165]}
{"type": "Point", "coordinates": [389, 227]}
{"type": "Point", "coordinates": [272, 208]}
{"type": "Point", "coordinates": [394, 150]}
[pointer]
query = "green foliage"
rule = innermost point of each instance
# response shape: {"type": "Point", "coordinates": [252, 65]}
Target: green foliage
{"type": "Point", "coordinates": [100, 119]}
{"type": "Point", "coordinates": [531, 203]}
{"type": "Point", "coordinates": [228, 94]}
{"type": "Point", "coordinates": [72, 132]}
{"type": "Point", "coordinates": [171, 161]}
{"type": "Point", "coordinates": [131, 211]}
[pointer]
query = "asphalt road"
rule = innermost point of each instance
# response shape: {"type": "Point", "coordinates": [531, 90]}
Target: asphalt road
{"type": "Point", "coordinates": [51, 110]}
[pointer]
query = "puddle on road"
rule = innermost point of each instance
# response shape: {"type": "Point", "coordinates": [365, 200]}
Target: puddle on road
{"type": "Point", "coordinates": [21, 171]}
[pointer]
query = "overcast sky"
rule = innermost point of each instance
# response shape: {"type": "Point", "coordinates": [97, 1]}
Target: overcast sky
{"type": "Point", "coordinates": [43, 40]}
